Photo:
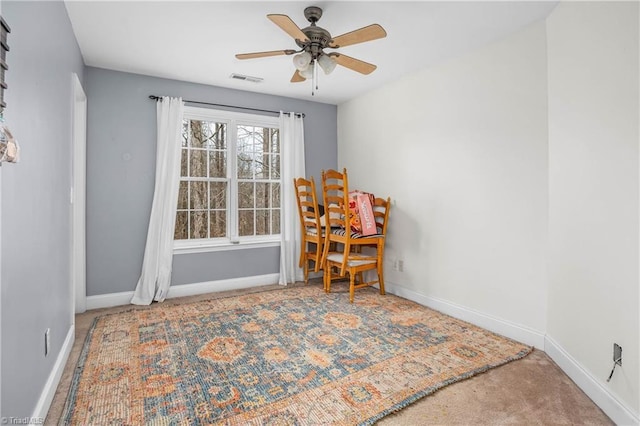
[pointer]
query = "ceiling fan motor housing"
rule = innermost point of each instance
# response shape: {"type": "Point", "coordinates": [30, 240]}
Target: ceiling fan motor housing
{"type": "Point", "coordinates": [319, 38]}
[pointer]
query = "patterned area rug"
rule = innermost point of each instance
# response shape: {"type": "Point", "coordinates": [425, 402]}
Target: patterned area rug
{"type": "Point", "coordinates": [293, 356]}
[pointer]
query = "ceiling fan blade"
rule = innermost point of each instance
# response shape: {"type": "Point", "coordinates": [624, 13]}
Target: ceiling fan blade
{"type": "Point", "coordinates": [297, 78]}
{"type": "Point", "coordinates": [265, 54]}
{"type": "Point", "coordinates": [371, 32]}
{"type": "Point", "coordinates": [288, 26]}
{"type": "Point", "coordinates": [353, 63]}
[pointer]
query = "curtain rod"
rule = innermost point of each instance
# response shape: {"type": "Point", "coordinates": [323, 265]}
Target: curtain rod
{"type": "Point", "coordinates": [159, 98]}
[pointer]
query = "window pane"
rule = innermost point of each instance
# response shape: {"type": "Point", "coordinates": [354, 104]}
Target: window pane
{"type": "Point", "coordinates": [197, 135]}
{"type": "Point", "coordinates": [218, 195]}
{"type": "Point", "coordinates": [262, 166]}
{"type": "Point", "coordinates": [262, 222]}
{"type": "Point", "coordinates": [245, 166]}
{"type": "Point", "coordinates": [275, 221]}
{"type": "Point", "coordinates": [245, 139]}
{"type": "Point", "coordinates": [275, 195]}
{"type": "Point", "coordinates": [275, 166]}
{"type": "Point", "coordinates": [197, 163]}
{"type": "Point", "coordinates": [181, 230]}
{"type": "Point", "coordinates": [218, 164]}
{"type": "Point", "coordinates": [245, 225]}
{"type": "Point", "coordinates": [261, 139]}
{"type": "Point", "coordinates": [218, 224]}
{"type": "Point", "coordinates": [183, 195]}
{"type": "Point", "coordinates": [275, 141]}
{"type": "Point", "coordinates": [217, 135]}
{"type": "Point", "coordinates": [245, 195]}
{"type": "Point", "coordinates": [198, 195]}
{"type": "Point", "coordinates": [184, 159]}
{"type": "Point", "coordinates": [185, 133]}
{"type": "Point", "coordinates": [273, 137]}
{"type": "Point", "coordinates": [262, 195]}
{"type": "Point", "coordinates": [263, 135]}
{"type": "Point", "coordinates": [199, 226]}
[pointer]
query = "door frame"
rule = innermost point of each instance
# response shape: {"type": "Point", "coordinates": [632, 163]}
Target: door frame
{"type": "Point", "coordinates": [78, 195]}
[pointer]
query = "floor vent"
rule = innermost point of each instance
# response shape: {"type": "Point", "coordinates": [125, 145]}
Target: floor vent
{"type": "Point", "coordinates": [246, 78]}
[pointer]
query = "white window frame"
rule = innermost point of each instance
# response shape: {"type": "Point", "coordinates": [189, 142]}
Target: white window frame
{"type": "Point", "coordinates": [233, 242]}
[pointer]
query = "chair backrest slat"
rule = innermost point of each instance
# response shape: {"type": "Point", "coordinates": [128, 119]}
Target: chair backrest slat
{"type": "Point", "coordinates": [307, 205]}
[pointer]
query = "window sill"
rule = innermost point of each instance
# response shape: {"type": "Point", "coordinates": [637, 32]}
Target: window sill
{"type": "Point", "coordinates": [211, 247]}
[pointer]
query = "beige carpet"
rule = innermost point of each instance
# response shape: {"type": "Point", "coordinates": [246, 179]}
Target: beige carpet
{"type": "Point", "coordinates": [529, 391]}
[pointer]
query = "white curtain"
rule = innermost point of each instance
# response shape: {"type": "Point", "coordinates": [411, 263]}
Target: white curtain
{"type": "Point", "coordinates": [155, 279]}
{"type": "Point", "coordinates": [292, 146]}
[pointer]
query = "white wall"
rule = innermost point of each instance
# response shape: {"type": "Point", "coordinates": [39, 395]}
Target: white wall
{"type": "Point", "coordinates": [515, 172]}
{"type": "Point", "coordinates": [462, 150]}
{"type": "Point", "coordinates": [36, 214]}
{"type": "Point", "coordinates": [593, 189]}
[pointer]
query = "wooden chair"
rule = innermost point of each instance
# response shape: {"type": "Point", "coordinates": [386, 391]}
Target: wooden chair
{"type": "Point", "coordinates": [335, 193]}
{"type": "Point", "coordinates": [381, 208]}
{"type": "Point", "coordinates": [312, 233]}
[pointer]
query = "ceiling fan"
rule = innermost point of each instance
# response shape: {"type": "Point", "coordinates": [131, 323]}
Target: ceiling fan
{"type": "Point", "coordinates": [312, 41]}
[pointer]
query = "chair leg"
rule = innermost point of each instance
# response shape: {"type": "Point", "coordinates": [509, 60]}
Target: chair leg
{"type": "Point", "coordinates": [352, 286]}
{"type": "Point", "coordinates": [327, 278]}
{"type": "Point", "coordinates": [324, 280]}
{"type": "Point", "coordinates": [319, 250]}
{"type": "Point", "coordinates": [381, 278]}
{"type": "Point", "coordinates": [380, 255]}
{"type": "Point", "coordinates": [325, 253]}
{"type": "Point", "coordinates": [306, 271]}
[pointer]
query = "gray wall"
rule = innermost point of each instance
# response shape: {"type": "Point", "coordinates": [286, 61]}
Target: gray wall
{"type": "Point", "coordinates": [36, 213]}
{"type": "Point", "coordinates": [121, 169]}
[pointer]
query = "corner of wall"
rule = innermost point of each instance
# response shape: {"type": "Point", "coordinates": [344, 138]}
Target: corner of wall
{"type": "Point", "coordinates": [600, 395]}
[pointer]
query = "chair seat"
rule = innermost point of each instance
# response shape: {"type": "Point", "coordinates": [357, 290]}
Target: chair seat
{"type": "Point", "coordinates": [338, 257]}
{"type": "Point", "coordinates": [354, 235]}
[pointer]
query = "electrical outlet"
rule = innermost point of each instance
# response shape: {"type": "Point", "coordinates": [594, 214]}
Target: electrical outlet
{"type": "Point", "coordinates": [47, 341]}
{"type": "Point", "coordinates": [400, 265]}
{"type": "Point", "coordinates": [617, 354]}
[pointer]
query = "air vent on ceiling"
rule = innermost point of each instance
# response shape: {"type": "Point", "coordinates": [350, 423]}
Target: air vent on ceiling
{"type": "Point", "coordinates": [246, 78]}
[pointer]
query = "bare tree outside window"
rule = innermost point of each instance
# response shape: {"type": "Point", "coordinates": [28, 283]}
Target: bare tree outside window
{"type": "Point", "coordinates": [210, 198]}
{"type": "Point", "coordinates": [202, 197]}
{"type": "Point", "coordinates": [258, 180]}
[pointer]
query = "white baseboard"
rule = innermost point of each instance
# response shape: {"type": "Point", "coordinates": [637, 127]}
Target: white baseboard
{"type": "Point", "coordinates": [500, 326]}
{"type": "Point", "coordinates": [594, 389]}
{"type": "Point", "coordinates": [49, 390]}
{"type": "Point", "coordinates": [124, 298]}
{"type": "Point", "coordinates": [222, 285]}
{"type": "Point", "coordinates": [109, 300]}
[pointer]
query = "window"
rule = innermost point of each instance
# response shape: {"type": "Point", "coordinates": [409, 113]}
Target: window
{"type": "Point", "coordinates": [229, 179]}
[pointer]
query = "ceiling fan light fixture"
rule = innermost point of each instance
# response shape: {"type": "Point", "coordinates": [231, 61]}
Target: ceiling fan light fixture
{"type": "Point", "coordinates": [327, 63]}
{"type": "Point", "coordinates": [302, 61]}
{"type": "Point", "coordinates": [307, 72]}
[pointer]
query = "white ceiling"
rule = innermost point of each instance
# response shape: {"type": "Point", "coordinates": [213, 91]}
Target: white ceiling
{"type": "Point", "coordinates": [197, 41]}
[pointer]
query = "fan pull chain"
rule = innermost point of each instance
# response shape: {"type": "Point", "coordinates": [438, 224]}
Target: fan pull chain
{"type": "Point", "coordinates": [314, 76]}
